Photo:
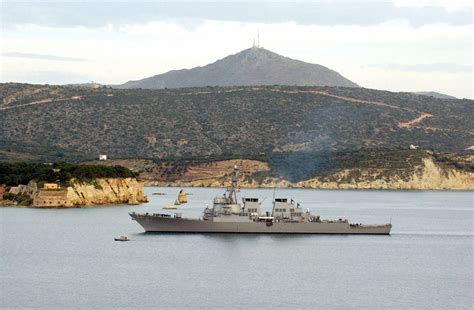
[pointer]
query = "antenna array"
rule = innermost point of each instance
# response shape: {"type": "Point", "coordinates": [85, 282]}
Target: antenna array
{"type": "Point", "coordinates": [256, 43]}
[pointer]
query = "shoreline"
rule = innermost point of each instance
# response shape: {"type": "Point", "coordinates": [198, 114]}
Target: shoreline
{"type": "Point", "coordinates": [319, 188]}
{"type": "Point", "coordinates": [105, 205]}
{"type": "Point", "coordinates": [92, 206]}
{"type": "Point", "coordinates": [329, 187]}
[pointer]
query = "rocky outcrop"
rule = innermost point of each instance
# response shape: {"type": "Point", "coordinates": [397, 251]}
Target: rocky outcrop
{"type": "Point", "coordinates": [100, 191]}
{"type": "Point", "coordinates": [106, 191]}
{"type": "Point", "coordinates": [430, 176]}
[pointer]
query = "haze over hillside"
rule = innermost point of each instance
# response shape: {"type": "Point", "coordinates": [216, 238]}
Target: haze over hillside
{"type": "Point", "coordinates": [253, 66]}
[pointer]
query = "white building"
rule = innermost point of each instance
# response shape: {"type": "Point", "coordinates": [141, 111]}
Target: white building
{"type": "Point", "coordinates": [102, 157]}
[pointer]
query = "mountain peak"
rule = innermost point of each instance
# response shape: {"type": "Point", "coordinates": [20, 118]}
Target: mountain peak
{"type": "Point", "coordinates": [252, 66]}
{"type": "Point", "coordinates": [259, 52]}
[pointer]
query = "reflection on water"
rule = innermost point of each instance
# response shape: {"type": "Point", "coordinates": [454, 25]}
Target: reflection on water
{"type": "Point", "coordinates": [67, 258]}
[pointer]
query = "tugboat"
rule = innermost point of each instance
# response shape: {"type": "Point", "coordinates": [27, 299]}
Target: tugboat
{"type": "Point", "coordinates": [229, 216]}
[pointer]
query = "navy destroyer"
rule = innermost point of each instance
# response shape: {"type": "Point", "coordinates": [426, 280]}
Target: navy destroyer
{"type": "Point", "coordinates": [228, 216]}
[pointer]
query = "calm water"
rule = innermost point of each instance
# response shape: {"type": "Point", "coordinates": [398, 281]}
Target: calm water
{"type": "Point", "coordinates": [67, 258]}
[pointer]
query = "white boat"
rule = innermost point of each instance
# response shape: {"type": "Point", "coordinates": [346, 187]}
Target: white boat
{"type": "Point", "coordinates": [122, 238]}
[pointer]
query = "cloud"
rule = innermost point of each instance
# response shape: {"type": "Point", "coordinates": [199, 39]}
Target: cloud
{"type": "Point", "coordinates": [45, 77]}
{"type": "Point", "coordinates": [449, 5]}
{"type": "Point", "coordinates": [433, 67]}
{"type": "Point", "coordinates": [40, 56]}
{"type": "Point", "coordinates": [118, 54]}
{"type": "Point", "coordinates": [93, 14]}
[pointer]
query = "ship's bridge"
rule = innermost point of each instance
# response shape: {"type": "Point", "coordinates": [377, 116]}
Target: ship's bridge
{"type": "Point", "coordinates": [225, 206]}
{"type": "Point", "coordinates": [251, 206]}
{"type": "Point", "coordinates": [286, 210]}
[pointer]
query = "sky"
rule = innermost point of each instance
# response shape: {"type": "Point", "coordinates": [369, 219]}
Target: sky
{"type": "Point", "coordinates": [396, 45]}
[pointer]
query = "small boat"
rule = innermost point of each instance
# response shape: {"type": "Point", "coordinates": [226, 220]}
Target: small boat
{"type": "Point", "coordinates": [182, 198]}
{"type": "Point", "coordinates": [122, 238]}
{"type": "Point", "coordinates": [170, 207]}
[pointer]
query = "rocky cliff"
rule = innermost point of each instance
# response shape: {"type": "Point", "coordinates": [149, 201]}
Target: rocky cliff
{"type": "Point", "coordinates": [107, 191]}
{"type": "Point", "coordinates": [430, 176]}
{"type": "Point", "coordinates": [101, 191]}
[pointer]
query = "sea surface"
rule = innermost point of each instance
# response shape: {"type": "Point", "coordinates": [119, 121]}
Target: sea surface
{"type": "Point", "coordinates": [58, 258]}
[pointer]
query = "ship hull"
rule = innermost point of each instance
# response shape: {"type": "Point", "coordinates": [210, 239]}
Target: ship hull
{"type": "Point", "coordinates": [180, 225]}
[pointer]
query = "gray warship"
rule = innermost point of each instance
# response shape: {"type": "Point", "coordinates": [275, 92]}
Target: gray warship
{"type": "Point", "coordinates": [229, 216]}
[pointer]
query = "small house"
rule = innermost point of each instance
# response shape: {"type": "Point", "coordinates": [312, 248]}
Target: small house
{"type": "Point", "coordinates": [50, 186]}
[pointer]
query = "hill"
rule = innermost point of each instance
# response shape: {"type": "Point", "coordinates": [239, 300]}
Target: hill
{"type": "Point", "coordinates": [54, 123]}
{"type": "Point", "coordinates": [253, 66]}
{"type": "Point", "coordinates": [435, 94]}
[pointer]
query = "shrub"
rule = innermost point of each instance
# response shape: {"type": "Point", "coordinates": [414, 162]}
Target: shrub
{"type": "Point", "coordinates": [26, 202]}
{"type": "Point", "coordinates": [8, 196]}
{"type": "Point", "coordinates": [13, 174]}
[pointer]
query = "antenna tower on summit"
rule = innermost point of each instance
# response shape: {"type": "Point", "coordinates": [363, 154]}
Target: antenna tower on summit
{"type": "Point", "coordinates": [256, 43]}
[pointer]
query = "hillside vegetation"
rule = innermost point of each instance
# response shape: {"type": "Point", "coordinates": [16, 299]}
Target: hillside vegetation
{"type": "Point", "coordinates": [13, 174]}
{"type": "Point", "coordinates": [53, 123]}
